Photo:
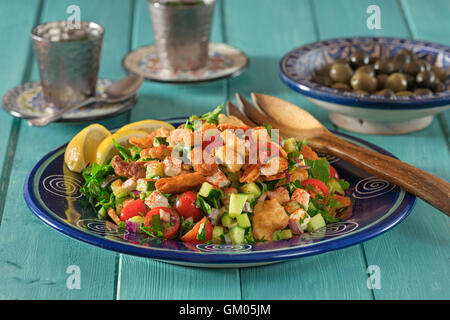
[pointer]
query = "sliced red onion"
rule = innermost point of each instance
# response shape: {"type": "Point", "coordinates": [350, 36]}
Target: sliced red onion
{"type": "Point", "coordinates": [295, 226]}
{"type": "Point", "coordinates": [227, 239]}
{"type": "Point", "coordinates": [299, 164]}
{"type": "Point", "coordinates": [263, 197]}
{"type": "Point", "coordinates": [215, 216]}
{"type": "Point", "coordinates": [109, 180]}
{"type": "Point", "coordinates": [132, 227]}
{"type": "Point", "coordinates": [137, 193]}
{"type": "Point", "coordinates": [247, 207]}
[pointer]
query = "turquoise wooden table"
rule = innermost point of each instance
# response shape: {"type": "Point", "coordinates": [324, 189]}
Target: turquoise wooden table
{"type": "Point", "coordinates": [410, 262]}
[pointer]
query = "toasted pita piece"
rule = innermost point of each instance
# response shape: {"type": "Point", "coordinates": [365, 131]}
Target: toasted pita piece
{"type": "Point", "coordinates": [180, 183]}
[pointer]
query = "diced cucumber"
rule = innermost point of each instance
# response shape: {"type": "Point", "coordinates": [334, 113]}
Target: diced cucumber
{"type": "Point", "coordinates": [227, 221]}
{"type": "Point", "coordinates": [286, 234]}
{"type": "Point", "coordinates": [252, 190]}
{"type": "Point", "coordinates": [117, 189]}
{"type": "Point", "coordinates": [237, 203]}
{"type": "Point", "coordinates": [237, 235]}
{"type": "Point", "coordinates": [205, 189]}
{"type": "Point", "coordinates": [144, 185]}
{"type": "Point", "coordinates": [291, 206]}
{"type": "Point", "coordinates": [282, 235]}
{"type": "Point", "coordinates": [102, 214]}
{"type": "Point", "coordinates": [315, 223]}
{"type": "Point", "coordinates": [218, 232]}
{"type": "Point", "coordinates": [336, 187]}
{"type": "Point", "coordinates": [137, 219]}
{"type": "Point", "coordinates": [290, 145]}
{"type": "Point", "coordinates": [119, 204]}
{"type": "Point", "coordinates": [243, 221]}
{"type": "Point", "coordinates": [154, 169]}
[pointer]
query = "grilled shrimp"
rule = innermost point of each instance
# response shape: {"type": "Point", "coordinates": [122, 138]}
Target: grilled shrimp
{"type": "Point", "coordinates": [128, 169]}
{"type": "Point", "coordinates": [158, 152]}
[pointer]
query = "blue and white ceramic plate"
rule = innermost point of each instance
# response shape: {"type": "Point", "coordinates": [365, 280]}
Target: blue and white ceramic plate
{"type": "Point", "coordinates": [27, 101]}
{"type": "Point", "coordinates": [359, 112]}
{"type": "Point", "coordinates": [224, 61]}
{"type": "Point", "coordinates": [52, 192]}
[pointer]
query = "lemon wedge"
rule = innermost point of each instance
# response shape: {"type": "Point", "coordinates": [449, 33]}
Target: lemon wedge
{"type": "Point", "coordinates": [146, 125]}
{"type": "Point", "coordinates": [81, 149]}
{"type": "Point", "coordinates": [106, 149]}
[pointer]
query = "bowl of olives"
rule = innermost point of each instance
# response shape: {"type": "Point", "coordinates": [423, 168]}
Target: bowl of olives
{"type": "Point", "coordinates": [372, 85]}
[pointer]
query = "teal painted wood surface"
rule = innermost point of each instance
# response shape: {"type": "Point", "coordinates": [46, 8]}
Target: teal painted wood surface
{"type": "Point", "coordinates": [36, 257]}
{"type": "Point", "coordinates": [424, 236]}
{"type": "Point", "coordinates": [413, 257]}
{"type": "Point", "coordinates": [14, 71]}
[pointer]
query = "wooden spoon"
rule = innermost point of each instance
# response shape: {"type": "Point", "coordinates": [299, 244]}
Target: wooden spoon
{"type": "Point", "coordinates": [232, 110]}
{"type": "Point", "coordinates": [296, 122]}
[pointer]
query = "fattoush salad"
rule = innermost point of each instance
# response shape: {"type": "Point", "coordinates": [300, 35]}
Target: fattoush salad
{"type": "Point", "coordinates": [211, 180]}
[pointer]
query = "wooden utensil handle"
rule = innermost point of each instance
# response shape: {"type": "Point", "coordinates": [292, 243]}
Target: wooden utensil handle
{"type": "Point", "coordinates": [426, 186]}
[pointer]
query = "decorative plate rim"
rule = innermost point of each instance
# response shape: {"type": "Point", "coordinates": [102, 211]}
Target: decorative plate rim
{"type": "Point", "coordinates": [202, 80]}
{"type": "Point", "coordinates": [127, 105]}
{"type": "Point", "coordinates": [271, 255]}
{"type": "Point", "coordinates": [351, 99]}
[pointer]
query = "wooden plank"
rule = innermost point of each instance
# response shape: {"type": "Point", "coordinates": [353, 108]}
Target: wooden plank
{"type": "Point", "coordinates": [145, 278]}
{"type": "Point", "coordinates": [15, 71]}
{"type": "Point", "coordinates": [266, 33]}
{"type": "Point", "coordinates": [35, 258]}
{"type": "Point", "coordinates": [413, 257]}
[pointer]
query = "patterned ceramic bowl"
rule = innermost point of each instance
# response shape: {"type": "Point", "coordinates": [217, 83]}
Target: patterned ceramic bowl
{"type": "Point", "coordinates": [366, 113]}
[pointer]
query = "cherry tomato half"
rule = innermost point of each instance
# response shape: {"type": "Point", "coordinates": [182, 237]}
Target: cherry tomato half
{"type": "Point", "coordinates": [132, 208]}
{"type": "Point", "coordinates": [318, 186]}
{"type": "Point", "coordinates": [333, 173]}
{"type": "Point", "coordinates": [191, 236]}
{"type": "Point", "coordinates": [170, 228]}
{"type": "Point", "coordinates": [186, 206]}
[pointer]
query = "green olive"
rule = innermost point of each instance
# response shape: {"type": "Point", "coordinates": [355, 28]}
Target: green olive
{"type": "Point", "coordinates": [323, 80]}
{"type": "Point", "coordinates": [425, 65]}
{"type": "Point", "coordinates": [423, 92]}
{"type": "Point", "coordinates": [404, 93]}
{"type": "Point", "coordinates": [324, 71]}
{"type": "Point", "coordinates": [426, 79]}
{"type": "Point", "coordinates": [341, 72]}
{"type": "Point", "coordinates": [381, 78]}
{"type": "Point", "coordinates": [366, 69]}
{"type": "Point", "coordinates": [402, 57]}
{"type": "Point", "coordinates": [440, 73]}
{"type": "Point", "coordinates": [384, 66]}
{"type": "Point", "coordinates": [385, 93]}
{"type": "Point", "coordinates": [341, 86]}
{"type": "Point", "coordinates": [396, 82]}
{"type": "Point", "coordinates": [359, 58]}
{"type": "Point", "coordinates": [413, 68]}
{"type": "Point", "coordinates": [439, 87]}
{"type": "Point", "coordinates": [407, 52]}
{"type": "Point", "coordinates": [364, 81]}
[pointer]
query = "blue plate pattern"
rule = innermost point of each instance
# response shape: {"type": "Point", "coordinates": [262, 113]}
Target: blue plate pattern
{"type": "Point", "coordinates": [299, 65]}
{"type": "Point", "coordinates": [52, 193]}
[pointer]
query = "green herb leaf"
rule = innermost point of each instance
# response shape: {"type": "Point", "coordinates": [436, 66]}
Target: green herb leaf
{"type": "Point", "coordinates": [156, 224]}
{"type": "Point", "coordinates": [344, 184]}
{"type": "Point", "coordinates": [320, 169]}
{"type": "Point", "coordinates": [122, 151]}
{"type": "Point", "coordinates": [201, 234]}
{"type": "Point", "coordinates": [213, 116]}
{"type": "Point", "coordinates": [160, 141]}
